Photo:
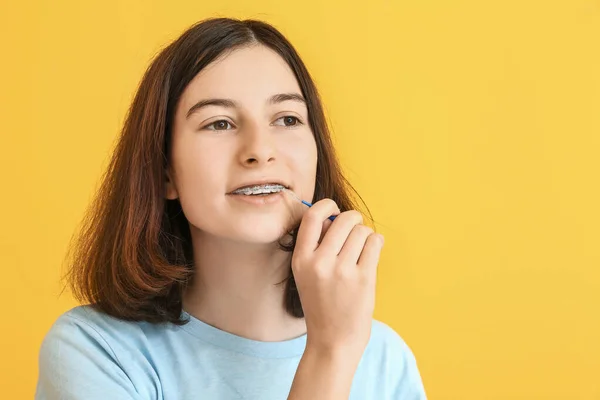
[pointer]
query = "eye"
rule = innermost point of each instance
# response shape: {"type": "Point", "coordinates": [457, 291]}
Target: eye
{"type": "Point", "coordinates": [287, 120]}
{"type": "Point", "coordinates": [220, 125]}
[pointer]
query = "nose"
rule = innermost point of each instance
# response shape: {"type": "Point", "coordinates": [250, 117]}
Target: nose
{"type": "Point", "coordinates": [257, 147]}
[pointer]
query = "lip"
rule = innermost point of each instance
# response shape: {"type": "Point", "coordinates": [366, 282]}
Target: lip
{"type": "Point", "coordinates": [262, 181]}
{"type": "Point", "coordinates": [259, 200]}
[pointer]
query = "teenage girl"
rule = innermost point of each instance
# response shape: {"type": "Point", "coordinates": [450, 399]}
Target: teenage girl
{"type": "Point", "coordinates": [204, 276]}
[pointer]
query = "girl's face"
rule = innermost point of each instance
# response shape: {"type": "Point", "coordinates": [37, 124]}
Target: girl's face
{"type": "Point", "coordinates": [242, 121]}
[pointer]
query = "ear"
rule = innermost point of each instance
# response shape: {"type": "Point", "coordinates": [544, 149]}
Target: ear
{"type": "Point", "coordinates": [171, 190]}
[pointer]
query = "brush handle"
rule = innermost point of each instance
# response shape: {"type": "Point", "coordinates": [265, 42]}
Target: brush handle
{"type": "Point", "coordinates": [306, 203]}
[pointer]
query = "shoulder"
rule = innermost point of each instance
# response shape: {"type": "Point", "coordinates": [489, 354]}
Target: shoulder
{"type": "Point", "coordinates": [84, 324]}
{"type": "Point", "coordinates": [384, 336]}
{"type": "Point", "coordinates": [86, 352]}
{"type": "Point", "coordinates": [85, 332]}
{"type": "Point", "coordinates": [88, 317]}
{"type": "Point", "coordinates": [388, 355]}
{"type": "Point", "coordinates": [389, 347]}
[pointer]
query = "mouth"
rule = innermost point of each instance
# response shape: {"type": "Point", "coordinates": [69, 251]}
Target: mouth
{"type": "Point", "coordinates": [264, 189]}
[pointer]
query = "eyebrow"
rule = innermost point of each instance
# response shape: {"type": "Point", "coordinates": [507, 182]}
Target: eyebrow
{"type": "Point", "coordinates": [281, 97]}
{"type": "Point", "coordinates": [228, 103]}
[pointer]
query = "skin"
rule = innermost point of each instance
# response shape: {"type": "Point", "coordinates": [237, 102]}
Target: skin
{"type": "Point", "coordinates": [259, 137]}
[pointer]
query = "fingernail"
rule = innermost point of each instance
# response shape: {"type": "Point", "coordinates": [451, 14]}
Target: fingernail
{"type": "Point", "coordinates": [381, 238]}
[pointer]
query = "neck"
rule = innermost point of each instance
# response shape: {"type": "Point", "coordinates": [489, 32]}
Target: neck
{"type": "Point", "coordinates": [235, 288]}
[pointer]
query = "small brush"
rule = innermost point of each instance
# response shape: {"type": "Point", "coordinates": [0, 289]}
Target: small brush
{"type": "Point", "coordinates": [306, 203]}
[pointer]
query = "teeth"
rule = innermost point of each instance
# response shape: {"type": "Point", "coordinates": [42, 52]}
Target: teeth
{"type": "Point", "coordinates": [259, 189]}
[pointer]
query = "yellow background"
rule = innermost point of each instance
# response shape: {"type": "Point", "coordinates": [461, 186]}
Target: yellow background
{"type": "Point", "coordinates": [471, 128]}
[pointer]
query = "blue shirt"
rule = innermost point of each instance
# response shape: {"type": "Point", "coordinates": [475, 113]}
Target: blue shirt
{"type": "Point", "coordinates": [88, 355]}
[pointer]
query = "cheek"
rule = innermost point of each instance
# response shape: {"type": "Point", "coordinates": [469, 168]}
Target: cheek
{"type": "Point", "coordinates": [302, 156]}
{"type": "Point", "coordinates": [200, 172]}
{"type": "Point", "coordinates": [201, 184]}
{"type": "Point", "coordinates": [301, 148]}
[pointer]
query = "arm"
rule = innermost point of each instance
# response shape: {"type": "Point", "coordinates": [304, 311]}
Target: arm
{"type": "Point", "coordinates": [336, 278]}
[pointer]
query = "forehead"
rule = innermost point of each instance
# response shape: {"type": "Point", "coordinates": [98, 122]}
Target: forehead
{"type": "Point", "coordinates": [247, 75]}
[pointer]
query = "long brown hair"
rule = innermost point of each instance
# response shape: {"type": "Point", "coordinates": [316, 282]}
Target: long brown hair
{"type": "Point", "coordinates": [133, 255]}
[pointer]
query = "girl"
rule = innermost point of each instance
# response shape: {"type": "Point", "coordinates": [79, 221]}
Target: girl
{"type": "Point", "coordinates": [206, 278]}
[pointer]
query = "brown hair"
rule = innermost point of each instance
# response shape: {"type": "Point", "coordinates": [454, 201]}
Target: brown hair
{"type": "Point", "coordinates": [133, 255]}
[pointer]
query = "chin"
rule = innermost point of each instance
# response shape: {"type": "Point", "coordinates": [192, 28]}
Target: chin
{"type": "Point", "coordinates": [247, 229]}
{"type": "Point", "coordinates": [261, 234]}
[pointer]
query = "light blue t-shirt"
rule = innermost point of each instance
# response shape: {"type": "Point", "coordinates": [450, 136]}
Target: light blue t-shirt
{"type": "Point", "coordinates": [88, 355]}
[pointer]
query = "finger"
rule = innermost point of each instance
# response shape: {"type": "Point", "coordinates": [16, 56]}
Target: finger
{"type": "Point", "coordinates": [354, 244]}
{"type": "Point", "coordinates": [311, 226]}
{"type": "Point", "coordinates": [339, 231]}
{"type": "Point", "coordinates": [369, 256]}
{"type": "Point", "coordinates": [326, 224]}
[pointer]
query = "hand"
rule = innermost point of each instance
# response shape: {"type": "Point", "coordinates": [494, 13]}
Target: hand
{"type": "Point", "coordinates": [335, 269]}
